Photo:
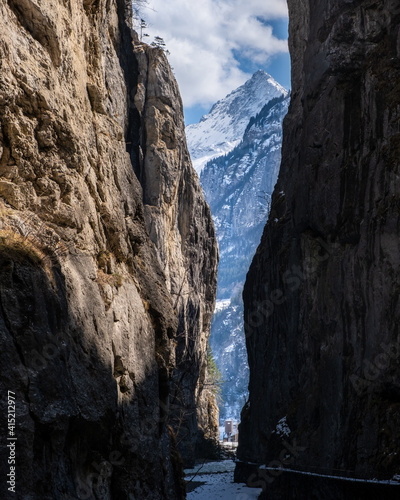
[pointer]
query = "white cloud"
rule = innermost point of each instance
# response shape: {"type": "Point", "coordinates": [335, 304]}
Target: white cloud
{"type": "Point", "coordinates": [204, 36]}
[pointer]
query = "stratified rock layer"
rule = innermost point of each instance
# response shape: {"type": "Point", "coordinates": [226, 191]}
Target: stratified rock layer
{"type": "Point", "coordinates": [91, 307]}
{"type": "Point", "coordinates": [321, 298]}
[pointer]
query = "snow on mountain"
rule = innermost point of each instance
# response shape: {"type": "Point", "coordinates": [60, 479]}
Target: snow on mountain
{"type": "Point", "coordinates": [238, 188]}
{"type": "Point", "coordinates": [222, 129]}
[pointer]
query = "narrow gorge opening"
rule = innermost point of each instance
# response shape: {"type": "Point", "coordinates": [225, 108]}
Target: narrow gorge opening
{"type": "Point", "coordinates": [311, 326]}
{"type": "Point", "coordinates": [234, 138]}
{"type": "Point", "coordinates": [235, 146]}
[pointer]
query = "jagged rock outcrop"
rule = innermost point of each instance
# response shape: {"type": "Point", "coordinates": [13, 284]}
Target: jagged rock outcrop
{"type": "Point", "coordinates": [321, 297]}
{"type": "Point", "coordinates": [91, 314]}
{"type": "Point", "coordinates": [180, 225]}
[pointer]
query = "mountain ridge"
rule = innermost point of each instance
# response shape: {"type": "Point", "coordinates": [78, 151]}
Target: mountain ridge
{"type": "Point", "coordinates": [218, 132]}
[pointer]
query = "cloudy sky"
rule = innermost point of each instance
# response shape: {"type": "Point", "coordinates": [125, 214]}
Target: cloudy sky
{"type": "Point", "coordinates": [216, 45]}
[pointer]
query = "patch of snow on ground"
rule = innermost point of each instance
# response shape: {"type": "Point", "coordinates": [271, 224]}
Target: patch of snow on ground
{"type": "Point", "coordinates": [219, 485]}
{"type": "Point", "coordinates": [211, 468]}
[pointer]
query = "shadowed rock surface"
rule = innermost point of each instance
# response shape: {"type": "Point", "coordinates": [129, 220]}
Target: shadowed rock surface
{"type": "Point", "coordinates": [107, 258]}
{"type": "Point", "coordinates": [322, 297]}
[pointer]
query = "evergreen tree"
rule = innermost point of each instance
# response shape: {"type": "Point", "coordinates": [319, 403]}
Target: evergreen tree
{"type": "Point", "coordinates": [214, 377]}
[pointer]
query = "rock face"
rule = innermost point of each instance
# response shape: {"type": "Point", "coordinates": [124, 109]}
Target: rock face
{"type": "Point", "coordinates": [322, 298]}
{"type": "Point", "coordinates": [107, 257]}
{"type": "Point", "coordinates": [181, 228]}
{"type": "Point", "coordinates": [238, 187]}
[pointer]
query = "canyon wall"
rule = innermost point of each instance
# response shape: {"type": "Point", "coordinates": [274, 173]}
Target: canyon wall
{"type": "Point", "coordinates": [322, 305]}
{"type": "Point", "coordinates": [107, 258]}
{"type": "Point", "coordinates": [180, 226]}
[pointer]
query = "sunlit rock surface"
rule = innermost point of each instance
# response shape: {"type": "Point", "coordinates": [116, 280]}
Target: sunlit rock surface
{"type": "Point", "coordinates": [107, 257]}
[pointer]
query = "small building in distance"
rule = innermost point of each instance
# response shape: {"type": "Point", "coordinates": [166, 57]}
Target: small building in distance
{"type": "Point", "coordinates": [231, 433]}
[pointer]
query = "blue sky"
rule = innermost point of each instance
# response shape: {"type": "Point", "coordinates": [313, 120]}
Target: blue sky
{"type": "Point", "coordinates": [216, 45]}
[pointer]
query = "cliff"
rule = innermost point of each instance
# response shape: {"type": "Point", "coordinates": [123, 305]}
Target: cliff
{"type": "Point", "coordinates": [180, 226]}
{"type": "Point", "coordinates": [321, 297]}
{"type": "Point", "coordinates": [107, 257]}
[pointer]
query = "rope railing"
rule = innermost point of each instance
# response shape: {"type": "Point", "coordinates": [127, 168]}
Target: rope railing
{"type": "Point", "coordinates": [340, 474]}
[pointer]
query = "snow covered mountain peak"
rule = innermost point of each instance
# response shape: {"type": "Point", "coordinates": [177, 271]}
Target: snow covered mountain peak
{"type": "Point", "coordinates": [222, 129]}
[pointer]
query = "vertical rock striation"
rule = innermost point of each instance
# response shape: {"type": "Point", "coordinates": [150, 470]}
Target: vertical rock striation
{"type": "Point", "coordinates": [95, 314]}
{"type": "Point", "coordinates": [321, 298]}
